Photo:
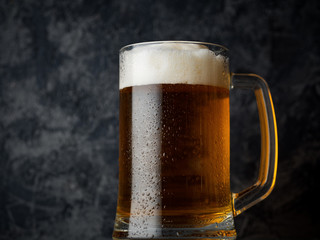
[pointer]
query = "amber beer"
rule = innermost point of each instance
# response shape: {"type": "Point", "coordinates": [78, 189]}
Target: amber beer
{"type": "Point", "coordinates": [183, 154]}
{"type": "Point", "coordinates": [174, 142]}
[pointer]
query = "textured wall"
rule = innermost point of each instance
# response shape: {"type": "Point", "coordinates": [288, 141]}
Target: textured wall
{"type": "Point", "coordinates": [59, 108]}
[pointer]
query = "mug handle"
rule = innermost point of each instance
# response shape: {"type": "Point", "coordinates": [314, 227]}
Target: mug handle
{"type": "Point", "coordinates": [269, 143]}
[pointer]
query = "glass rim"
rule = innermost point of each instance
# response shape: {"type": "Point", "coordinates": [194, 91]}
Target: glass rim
{"type": "Point", "coordinates": [173, 41]}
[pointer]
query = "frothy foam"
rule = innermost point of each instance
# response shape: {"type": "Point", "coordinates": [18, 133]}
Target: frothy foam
{"type": "Point", "coordinates": [173, 63]}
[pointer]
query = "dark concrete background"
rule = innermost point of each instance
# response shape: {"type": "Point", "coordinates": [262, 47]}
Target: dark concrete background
{"type": "Point", "coordinates": [59, 108]}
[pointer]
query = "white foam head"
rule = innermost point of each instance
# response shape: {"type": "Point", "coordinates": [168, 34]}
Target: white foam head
{"type": "Point", "coordinates": [173, 63]}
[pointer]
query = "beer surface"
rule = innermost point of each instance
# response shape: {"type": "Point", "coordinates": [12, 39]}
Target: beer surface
{"type": "Point", "coordinates": [174, 155]}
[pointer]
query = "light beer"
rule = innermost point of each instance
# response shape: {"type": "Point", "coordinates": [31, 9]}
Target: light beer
{"type": "Point", "coordinates": [174, 139]}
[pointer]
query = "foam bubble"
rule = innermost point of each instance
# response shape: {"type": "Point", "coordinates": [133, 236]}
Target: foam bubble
{"type": "Point", "coordinates": [173, 63]}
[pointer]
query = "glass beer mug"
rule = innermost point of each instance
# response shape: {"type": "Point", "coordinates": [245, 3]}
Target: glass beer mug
{"type": "Point", "coordinates": [174, 158]}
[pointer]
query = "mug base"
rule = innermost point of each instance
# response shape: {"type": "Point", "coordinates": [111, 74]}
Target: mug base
{"type": "Point", "coordinates": [223, 230]}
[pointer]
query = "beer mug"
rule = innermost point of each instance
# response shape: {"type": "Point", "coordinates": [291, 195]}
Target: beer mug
{"type": "Point", "coordinates": [174, 150]}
